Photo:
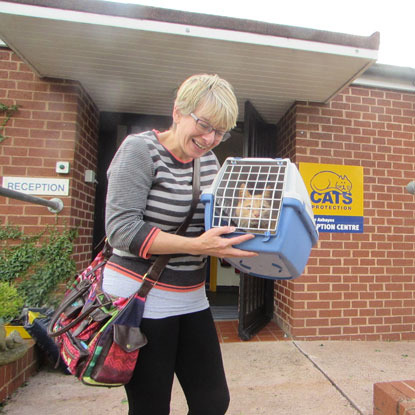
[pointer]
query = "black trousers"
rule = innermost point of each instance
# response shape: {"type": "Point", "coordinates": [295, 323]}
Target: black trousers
{"type": "Point", "coordinates": [188, 346]}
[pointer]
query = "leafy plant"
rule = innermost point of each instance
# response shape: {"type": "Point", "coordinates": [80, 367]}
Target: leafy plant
{"type": "Point", "coordinates": [8, 111]}
{"type": "Point", "coordinates": [11, 302]}
{"type": "Point", "coordinates": [37, 264]}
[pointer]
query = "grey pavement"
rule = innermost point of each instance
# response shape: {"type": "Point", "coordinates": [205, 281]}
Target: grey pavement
{"type": "Point", "coordinates": [270, 378]}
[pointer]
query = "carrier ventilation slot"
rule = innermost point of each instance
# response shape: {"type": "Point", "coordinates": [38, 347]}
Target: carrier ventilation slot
{"type": "Point", "coordinates": [249, 195]}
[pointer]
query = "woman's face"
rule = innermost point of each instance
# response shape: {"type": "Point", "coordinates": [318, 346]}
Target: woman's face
{"type": "Point", "coordinates": [195, 134]}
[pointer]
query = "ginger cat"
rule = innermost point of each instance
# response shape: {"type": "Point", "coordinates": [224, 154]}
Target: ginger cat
{"type": "Point", "coordinates": [253, 211]}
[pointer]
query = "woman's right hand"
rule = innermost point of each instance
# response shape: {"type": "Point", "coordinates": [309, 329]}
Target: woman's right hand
{"type": "Point", "coordinates": [213, 243]}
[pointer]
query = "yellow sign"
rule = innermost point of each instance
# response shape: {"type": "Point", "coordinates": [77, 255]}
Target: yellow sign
{"type": "Point", "coordinates": [336, 194]}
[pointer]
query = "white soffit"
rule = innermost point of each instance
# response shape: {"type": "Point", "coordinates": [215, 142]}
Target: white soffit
{"type": "Point", "coordinates": [135, 65]}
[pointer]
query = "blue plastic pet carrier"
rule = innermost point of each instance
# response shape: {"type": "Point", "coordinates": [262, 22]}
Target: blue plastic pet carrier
{"type": "Point", "coordinates": [266, 197]}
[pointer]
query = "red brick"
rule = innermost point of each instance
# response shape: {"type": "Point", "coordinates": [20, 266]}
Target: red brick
{"type": "Point", "coordinates": [47, 115]}
{"type": "Point", "coordinates": [27, 76]}
{"type": "Point", "coordinates": [8, 65]}
{"type": "Point", "coordinates": [32, 86]}
{"type": "Point", "coordinates": [54, 134]}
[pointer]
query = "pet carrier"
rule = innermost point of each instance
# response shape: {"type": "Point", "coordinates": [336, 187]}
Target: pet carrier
{"type": "Point", "coordinates": [266, 197]}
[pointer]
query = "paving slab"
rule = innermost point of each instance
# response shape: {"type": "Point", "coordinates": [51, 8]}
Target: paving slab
{"type": "Point", "coordinates": [269, 378]}
{"type": "Point", "coordinates": [276, 378]}
{"type": "Point", "coordinates": [354, 366]}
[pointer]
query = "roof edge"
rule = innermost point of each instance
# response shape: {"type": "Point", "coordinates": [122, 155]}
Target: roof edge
{"type": "Point", "coordinates": [135, 11]}
{"type": "Point", "coordinates": [388, 77]}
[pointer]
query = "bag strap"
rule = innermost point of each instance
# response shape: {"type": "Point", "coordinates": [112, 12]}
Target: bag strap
{"type": "Point", "coordinates": [155, 271]}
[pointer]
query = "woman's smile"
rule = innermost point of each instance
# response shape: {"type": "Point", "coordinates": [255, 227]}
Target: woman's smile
{"type": "Point", "coordinates": [199, 145]}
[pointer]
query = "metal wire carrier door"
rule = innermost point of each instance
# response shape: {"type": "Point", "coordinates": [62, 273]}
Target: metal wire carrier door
{"type": "Point", "coordinates": [249, 195]}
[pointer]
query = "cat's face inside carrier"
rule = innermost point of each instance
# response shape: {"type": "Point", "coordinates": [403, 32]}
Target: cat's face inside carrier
{"type": "Point", "coordinates": [253, 210]}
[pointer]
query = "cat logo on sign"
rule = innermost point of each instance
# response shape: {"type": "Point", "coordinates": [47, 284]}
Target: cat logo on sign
{"type": "Point", "coordinates": [336, 194]}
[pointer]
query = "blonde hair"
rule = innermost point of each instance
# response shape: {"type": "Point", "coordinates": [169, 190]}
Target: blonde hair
{"type": "Point", "coordinates": [212, 95]}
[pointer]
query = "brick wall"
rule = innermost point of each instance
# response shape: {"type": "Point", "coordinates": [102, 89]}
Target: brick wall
{"type": "Point", "coordinates": [286, 148]}
{"type": "Point", "coordinates": [56, 121]}
{"type": "Point", "coordinates": [15, 374]}
{"type": "Point", "coordinates": [287, 135]}
{"type": "Point", "coordinates": [359, 286]}
{"type": "Point", "coordinates": [83, 194]}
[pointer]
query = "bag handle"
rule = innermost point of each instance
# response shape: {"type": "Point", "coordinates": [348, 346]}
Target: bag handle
{"type": "Point", "coordinates": [160, 263]}
{"type": "Point", "coordinates": [79, 291]}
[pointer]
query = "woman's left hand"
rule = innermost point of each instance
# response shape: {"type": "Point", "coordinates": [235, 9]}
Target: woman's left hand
{"type": "Point", "coordinates": [213, 243]}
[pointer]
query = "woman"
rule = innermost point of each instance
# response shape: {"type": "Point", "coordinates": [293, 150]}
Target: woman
{"type": "Point", "coordinates": [149, 196]}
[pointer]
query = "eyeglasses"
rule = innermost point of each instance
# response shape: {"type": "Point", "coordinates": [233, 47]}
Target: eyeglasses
{"type": "Point", "coordinates": [206, 128]}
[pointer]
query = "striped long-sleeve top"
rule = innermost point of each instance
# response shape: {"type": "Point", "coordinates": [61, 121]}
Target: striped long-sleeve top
{"type": "Point", "coordinates": [150, 190]}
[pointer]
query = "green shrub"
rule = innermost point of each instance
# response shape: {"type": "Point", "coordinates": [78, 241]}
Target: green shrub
{"type": "Point", "coordinates": [7, 112]}
{"type": "Point", "coordinates": [11, 302]}
{"type": "Point", "coordinates": [36, 264]}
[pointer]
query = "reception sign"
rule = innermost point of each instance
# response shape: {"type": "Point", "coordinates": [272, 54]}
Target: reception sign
{"type": "Point", "coordinates": [336, 194]}
{"type": "Point", "coordinates": [37, 185]}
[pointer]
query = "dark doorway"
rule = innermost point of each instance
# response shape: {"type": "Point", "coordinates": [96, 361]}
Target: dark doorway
{"type": "Point", "coordinates": [256, 295]}
{"type": "Point", "coordinates": [224, 293]}
{"type": "Point", "coordinates": [224, 302]}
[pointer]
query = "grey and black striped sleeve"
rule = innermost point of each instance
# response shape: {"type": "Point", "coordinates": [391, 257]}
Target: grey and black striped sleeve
{"type": "Point", "coordinates": [130, 178]}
